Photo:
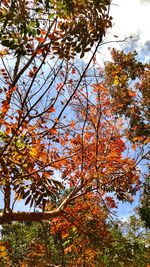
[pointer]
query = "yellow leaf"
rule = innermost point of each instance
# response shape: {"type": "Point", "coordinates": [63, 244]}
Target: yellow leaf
{"type": "Point", "coordinates": [147, 140]}
{"type": "Point", "coordinates": [2, 248]}
{"type": "Point", "coordinates": [116, 81]}
{"type": "Point", "coordinates": [64, 235]}
{"type": "Point", "coordinates": [3, 52]}
{"type": "Point", "coordinates": [18, 197]}
{"type": "Point", "coordinates": [3, 254]}
{"type": "Point", "coordinates": [33, 152]}
{"type": "Point", "coordinates": [137, 138]}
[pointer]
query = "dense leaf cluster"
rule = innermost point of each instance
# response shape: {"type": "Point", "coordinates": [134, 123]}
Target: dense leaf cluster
{"type": "Point", "coordinates": [129, 85]}
{"type": "Point", "coordinates": [35, 245]}
{"type": "Point", "coordinates": [64, 27]}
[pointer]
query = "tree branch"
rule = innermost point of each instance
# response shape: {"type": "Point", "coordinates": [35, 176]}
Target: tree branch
{"type": "Point", "coordinates": [29, 216]}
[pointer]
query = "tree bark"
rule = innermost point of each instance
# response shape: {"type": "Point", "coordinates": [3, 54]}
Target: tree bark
{"type": "Point", "coordinates": [29, 216]}
{"type": "Point", "coordinates": [7, 195]}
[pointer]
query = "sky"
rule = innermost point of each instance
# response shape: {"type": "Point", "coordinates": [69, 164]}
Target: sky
{"type": "Point", "coordinates": [130, 18]}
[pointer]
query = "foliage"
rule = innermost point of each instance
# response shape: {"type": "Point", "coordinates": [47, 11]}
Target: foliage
{"type": "Point", "coordinates": [86, 149]}
{"type": "Point", "coordinates": [29, 244]}
{"type": "Point", "coordinates": [130, 245]}
{"type": "Point", "coordinates": [35, 244]}
{"type": "Point", "coordinates": [62, 148]}
{"type": "Point", "coordinates": [37, 90]}
{"type": "Point", "coordinates": [61, 27]}
{"type": "Point", "coordinates": [87, 152]}
{"type": "Point", "coordinates": [144, 209]}
{"type": "Point", "coordinates": [129, 83]}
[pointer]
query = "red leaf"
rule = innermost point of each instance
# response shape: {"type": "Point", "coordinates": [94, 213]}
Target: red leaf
{"type": "Point", "coordinates": [52, 109]}
{"type": "Point", "coordinates": [40, 39]}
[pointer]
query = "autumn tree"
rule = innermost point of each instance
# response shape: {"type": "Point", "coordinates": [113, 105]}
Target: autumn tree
{"type": "Point", "coordinates": [61, 145]}
{"type": "Point", "coordinates": [129, 83]}
{"type": "Point", "coordinates": [39, 141]}
{"type": "Point", "coordinates": [29, 244]}
{"type": "Point", "coordinates": [23, 243]}
{"type": "Point", "coordinates": [85, 148]}
{"type": "Point", "coordinates": [130, 243]}
{"type": "Point", "coordinates": [38, 38]}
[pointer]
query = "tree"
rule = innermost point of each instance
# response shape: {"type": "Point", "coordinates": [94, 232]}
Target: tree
{"type": "Point", "coordinates": [29, 244]}
{"type": "Point", "coordinates": [37, 40]}
{"type": "Point", "coordinates": [130, 244]}
{"type": "Point", "coordinates": [87, 152]}
{"type": "Point", "coordinates": [144, 209]}
{"type": "Point", "coordinates": [38, 92]}
{"type": "Point", "coordinates": [61, 144]}
{"type": "Point", "coordinates": [35, 130]}
{"type": "Point", "coordinates": [63, 27]}
{"type": "Point", "coordinates": [128, 81]}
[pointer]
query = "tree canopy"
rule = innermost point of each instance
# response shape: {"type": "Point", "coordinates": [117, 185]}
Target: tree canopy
{"type": "Point", "coordinates": [58, 27]}
{"type": "Point", "coordinates": [66, 129]}
{"type": "Point", "coordinates": [128, 80]}
{"type": "Point", "coordinates": [35, 245]}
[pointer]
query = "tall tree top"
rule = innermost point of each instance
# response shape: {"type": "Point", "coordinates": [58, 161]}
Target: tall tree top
{"type": "Point", "coordinates": [66, 27]}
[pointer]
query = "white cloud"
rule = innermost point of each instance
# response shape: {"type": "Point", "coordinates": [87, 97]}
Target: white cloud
{"type": "Point", "coordinates": [130, 18]}
{"type": "Point", "coordinates": [145, 1]}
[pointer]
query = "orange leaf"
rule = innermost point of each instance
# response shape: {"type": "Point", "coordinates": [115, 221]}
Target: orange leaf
{"type": "Point", "coordinates": [147, 140]}
{"type": "Point", "coordinates": [39, 51]}
{"type": "Point", "coordinates": [52, 36]}
{"type": "Point", "coordinates": [5, 106]}
{"type": "Point", "coordinates": [43, 32]}
{"type": "Point", "coordinates": [68, 249]}
{"type": "Point", "coordinates": [52, 109]}
{"type": "Point", "coordinates": [72, 124]}
{"type": "Point", "coordinates": [134, 146]}
{"type": "Point", "coordinates": [64, 235]}
{"type": "Point", "coordinates": [40, 39]}
{"type": "Point", "coordinates": [131, 93]}
{"type": "Point", "coordinates": [8, 130]}
{"type": "Point", "coordinates": [53, 130]}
